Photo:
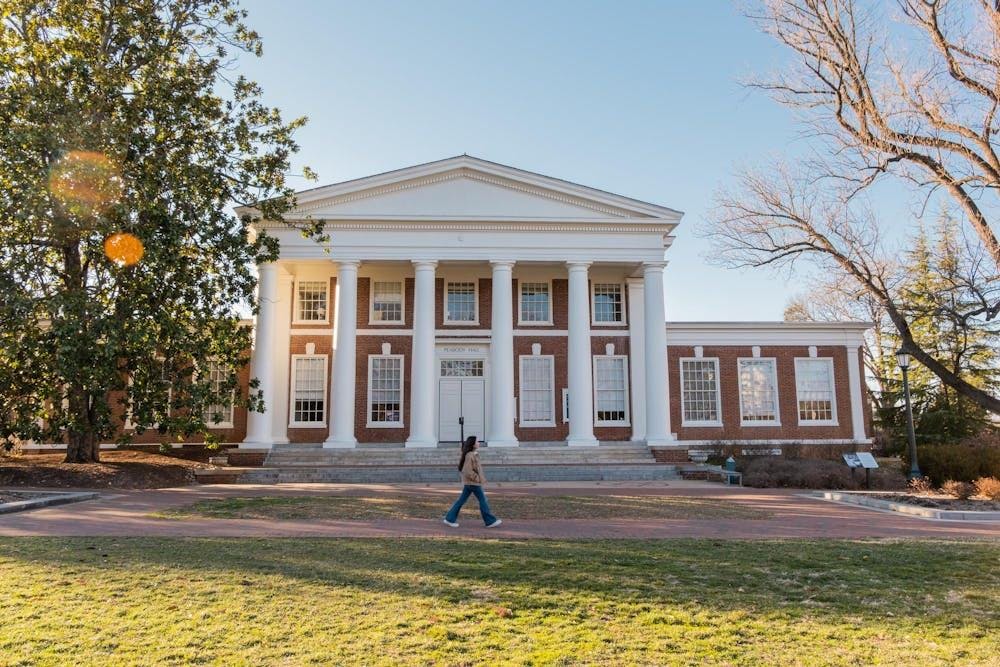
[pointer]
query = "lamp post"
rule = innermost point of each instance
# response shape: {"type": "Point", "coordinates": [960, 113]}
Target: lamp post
{"type": "Point", "coordinates": [903, 359]}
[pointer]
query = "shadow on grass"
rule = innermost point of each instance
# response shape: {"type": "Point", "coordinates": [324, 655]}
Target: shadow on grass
{"type": "Point", "coordinates": [937, 583]}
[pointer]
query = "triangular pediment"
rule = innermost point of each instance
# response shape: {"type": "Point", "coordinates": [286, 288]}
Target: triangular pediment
{"type": "Point", "coordinates": [472, 189]}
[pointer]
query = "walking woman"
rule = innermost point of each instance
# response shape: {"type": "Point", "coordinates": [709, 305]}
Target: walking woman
{"type": "Point", "coordinates": [473, 480]}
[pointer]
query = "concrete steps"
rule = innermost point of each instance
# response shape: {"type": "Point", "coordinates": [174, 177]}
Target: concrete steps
{"type": "Point", "coordinates": [369, 474]}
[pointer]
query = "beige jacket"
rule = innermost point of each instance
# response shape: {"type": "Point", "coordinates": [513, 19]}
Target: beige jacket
{"type": "Point", "coordinates": [472, 471]}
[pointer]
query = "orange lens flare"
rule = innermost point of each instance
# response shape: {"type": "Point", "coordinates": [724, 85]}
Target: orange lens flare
{"type": "Point", "coordinates": [123, 249]}
{"type": "Point", "coordinates": [85, 182]}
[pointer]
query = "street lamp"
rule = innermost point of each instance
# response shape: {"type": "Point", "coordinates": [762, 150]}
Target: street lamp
{"type": "Point", "coordinates": [903, 359]}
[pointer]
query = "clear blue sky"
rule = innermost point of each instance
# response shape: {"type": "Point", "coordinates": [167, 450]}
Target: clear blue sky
{"type": "Point", "coordinates": [639, 98]}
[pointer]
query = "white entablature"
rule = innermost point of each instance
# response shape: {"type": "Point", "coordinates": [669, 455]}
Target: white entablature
{"type": "Point", "coordinates": [465, 208]}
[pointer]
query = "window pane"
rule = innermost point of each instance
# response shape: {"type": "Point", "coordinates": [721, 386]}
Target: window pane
{"type": "Point", "coordinates": [219, 413]}
{"type": "Point", "coordinates": [699, 390]}
{"type": "Point", "coordinates": [609, 387]}
{"type": "Point", "coordinates": [814, 387]}
{"type": "Point", "coordinates": [312, 300]}
{"type": "Point", "coordinates": [386, 389]}
{"type": "Point", "coordinates": [461, 302]}
{"type": "Point", "coordinates": [310, 390]}
{"type": "Point", "coordinates": [535, 302]}
{"type": "Point", "coordinates": [758, 393]}
{"type": "Point", "coordinates": [462, 368]}
{"type": "Point", "coordinates": [536, 389]}
{"type": "Point", "coordinates": [387, 302]}
{"type": "Point", "coordinates": [607, 303]}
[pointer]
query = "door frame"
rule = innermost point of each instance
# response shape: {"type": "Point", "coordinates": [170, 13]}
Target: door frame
{"type": "Point", "coordinates": [461, 349]}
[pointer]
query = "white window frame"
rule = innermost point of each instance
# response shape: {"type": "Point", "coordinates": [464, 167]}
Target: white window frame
{"type": "Point", "coordinates": [232, 410]}
{"type": "Point", "coordinates": [628, 416]}
{"type": "Point", "coordinates": [295, 301]}
{"type": "Point", "coordinates": [718, 392]}
{"type": "Point", "coordinates": [593, 304]}
{"type": "Point", "coordinates": [833, 393]}
{"type": "Point", "coordinates": [129, 425]}
{"type": "Point", "coordinates": [371, 301]}
{"type": "Point", "coordinates": [521, 322]}
{"type": "Point", "coordinates": [774, 379]}
{"type": "Point", "coordinates": [552, 393]}
{"type": "Point", "coordinates": [326, 392]}
{"type": "Point", "coordinates": [475, 303]}
{"type": "Point", "coordinates": [402, 393]}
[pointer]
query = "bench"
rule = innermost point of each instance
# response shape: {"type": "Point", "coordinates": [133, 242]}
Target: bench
{"type": "Point", "coordinates": [730, 477]}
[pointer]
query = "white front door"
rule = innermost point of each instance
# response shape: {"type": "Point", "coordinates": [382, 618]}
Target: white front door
{"type": "Point", "coordinates": [462, 395]}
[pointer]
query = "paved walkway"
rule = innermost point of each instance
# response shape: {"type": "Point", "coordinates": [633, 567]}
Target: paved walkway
{"type": "Point", "coordinates": [126, 513]}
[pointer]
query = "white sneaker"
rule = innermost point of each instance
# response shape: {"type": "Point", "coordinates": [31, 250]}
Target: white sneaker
{"type": "Point", "coordinates": [453, 524]}
{"type": "Point", "coordinates": [495, 523]}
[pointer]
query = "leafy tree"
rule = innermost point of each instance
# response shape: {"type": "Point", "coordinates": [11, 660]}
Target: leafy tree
{"type": "Point", "coordinates": [124, 117]}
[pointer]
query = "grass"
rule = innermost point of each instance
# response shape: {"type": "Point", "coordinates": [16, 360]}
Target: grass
{"type": "Point", "coordinates": [100, 601]}
{"type": "Point", "coordinates": [433, 507]}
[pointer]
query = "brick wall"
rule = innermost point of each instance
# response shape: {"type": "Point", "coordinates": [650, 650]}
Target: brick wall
{"type": "Point", "coordinates": [373, 345]}
{"type": "Point", "coordinates": [787, 403]}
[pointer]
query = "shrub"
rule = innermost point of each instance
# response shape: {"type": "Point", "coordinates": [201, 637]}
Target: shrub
{"type": "Point", "coordinates": [921, 486]}
{"type": "Point", "coordinates": [960, 490]}
{"type": "Point", "coordinates": [962, 461]}
{"type": "Point", "coordinates": [771, 472]}
{"type": "Point", "coordinates": [988, 487]}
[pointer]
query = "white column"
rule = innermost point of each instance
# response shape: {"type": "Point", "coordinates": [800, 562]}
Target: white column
{"type": "Point", "coordinates": [857, 402]}
{"type": "Point", "coordinates": [259, 423]}
{"type": "Point", "coordinates": [422, 375]}
{"type": "Point", "coordinates": [637, 356]}
{"type": "Point", "coordinates": [501, 418]}
{"type": "Point", "coordinates": [657, 414]}
{"type": "Point", "coordinates": [579, 359]}
{"type": "Point", "coordinates": [282, 347]}
{"type": "Point", "coordinates": [343, 379]}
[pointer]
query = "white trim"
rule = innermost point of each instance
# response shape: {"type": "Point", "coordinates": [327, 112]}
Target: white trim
{"type": "Point", "coordinates": [773, 441]}
{"type": "Point", "coordinates": [520, 391]}
{"type": "Point", "coordinates": [402, 393]}
{"type": "Point", "coordinates": [593, 303]}
{"type": "Point", "coordinates": [521, 282]}
{"type": "Point", "coordinates": [774, 379]}
{"type": "Point", "coordinates": [766, 333]}
{"type": "Point", "coordinates": [718, 392]}
{"type": "Point", "coordinates": [325, 389]}
{"type": "Point", "coordinates": [371, 301]}
{"type": "Point", "coordinates": [295, 300]}
{"type": "Point", "coordinates": [565, 405]}
{"type": "Point", "coordinates": [628, 416]}
{"type": "Point", "coordinates": [833, 393]}
{"type": "Point", "coordinates": [444, 302]}
{"type": "Point", "coordinates": [232, 410]}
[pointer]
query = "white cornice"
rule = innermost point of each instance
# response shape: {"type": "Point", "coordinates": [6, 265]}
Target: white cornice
{"type": "Point", "coordinates": [421, 223]}
{"type": "Point", "coordinates": [766, 333]}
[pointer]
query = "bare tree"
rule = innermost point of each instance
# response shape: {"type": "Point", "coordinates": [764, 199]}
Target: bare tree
{"type": "Point", "coordinates": [922, 107]}
{"type": "Point", "coordinates": [781, 218]}
{"type": "Point", "coordinates": [909, 95]}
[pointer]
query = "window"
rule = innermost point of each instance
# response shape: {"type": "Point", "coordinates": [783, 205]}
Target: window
{"type": "Point", "coordinates": [758, 392]}
{"type": "Point", "coordinates": [700, 392]}
{"type": "Point", "coordinates": [537, 391]}
{"type": "Point", "coordinates": [387, 301]}
{"type": "Point", "coordinates": [814, 391]}
{"type": "Point", "coordinates": [308, 390]}
{"type": "Point", "coordinates": [608, 307]}
{"type": "Point", "coordinates": [385, 390]}
{"type": "Point", "coordinates": [536, 303]}
{"type": "Point", "coordinates": [457, 368]}
{"type": "Point", "coordinates": [137, 405]}
{"type": "Point", "coordinates": [611, 390]}
{"type": "Point", "coordinates": [312, 297]}
{"type": "Point", "coordinates": [460, 303]}
{"type": "Point", "coordinates": [219, 415]}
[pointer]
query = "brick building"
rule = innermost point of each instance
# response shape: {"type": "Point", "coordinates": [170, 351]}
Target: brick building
{"type": "Point", "coordinates": [529, 308]}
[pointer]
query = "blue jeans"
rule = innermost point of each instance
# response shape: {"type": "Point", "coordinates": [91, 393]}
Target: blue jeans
{"type": "Point", "coordinates": [484, 507]}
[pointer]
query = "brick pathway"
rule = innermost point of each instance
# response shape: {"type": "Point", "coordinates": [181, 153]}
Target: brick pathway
{"type": "Point", "coordinates": [125, 513]}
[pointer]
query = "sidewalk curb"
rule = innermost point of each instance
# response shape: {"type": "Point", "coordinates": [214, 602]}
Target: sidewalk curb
{"type": "Point", "coordinates": [904, 508]}
{"type": "Point", "coordinates": [50, 499]}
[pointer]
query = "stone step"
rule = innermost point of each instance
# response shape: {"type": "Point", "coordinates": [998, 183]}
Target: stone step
{"type": "Point", "coordinates": [436, 473]}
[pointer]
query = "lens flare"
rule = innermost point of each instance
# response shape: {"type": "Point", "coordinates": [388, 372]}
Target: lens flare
{"type": "Point", "coordinates": [123, 249]}
{"type": "Point", "coordinates": [85, 182]}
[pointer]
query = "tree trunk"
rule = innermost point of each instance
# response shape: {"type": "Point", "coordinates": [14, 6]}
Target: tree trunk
{"type": "Point", "coordinates": [83, 448]}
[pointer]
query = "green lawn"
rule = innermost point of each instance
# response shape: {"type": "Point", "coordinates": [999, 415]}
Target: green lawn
{"type": "Point", "coordinates": [86, 601]}
{"type": "Point", "coordinates": [413, 506]}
